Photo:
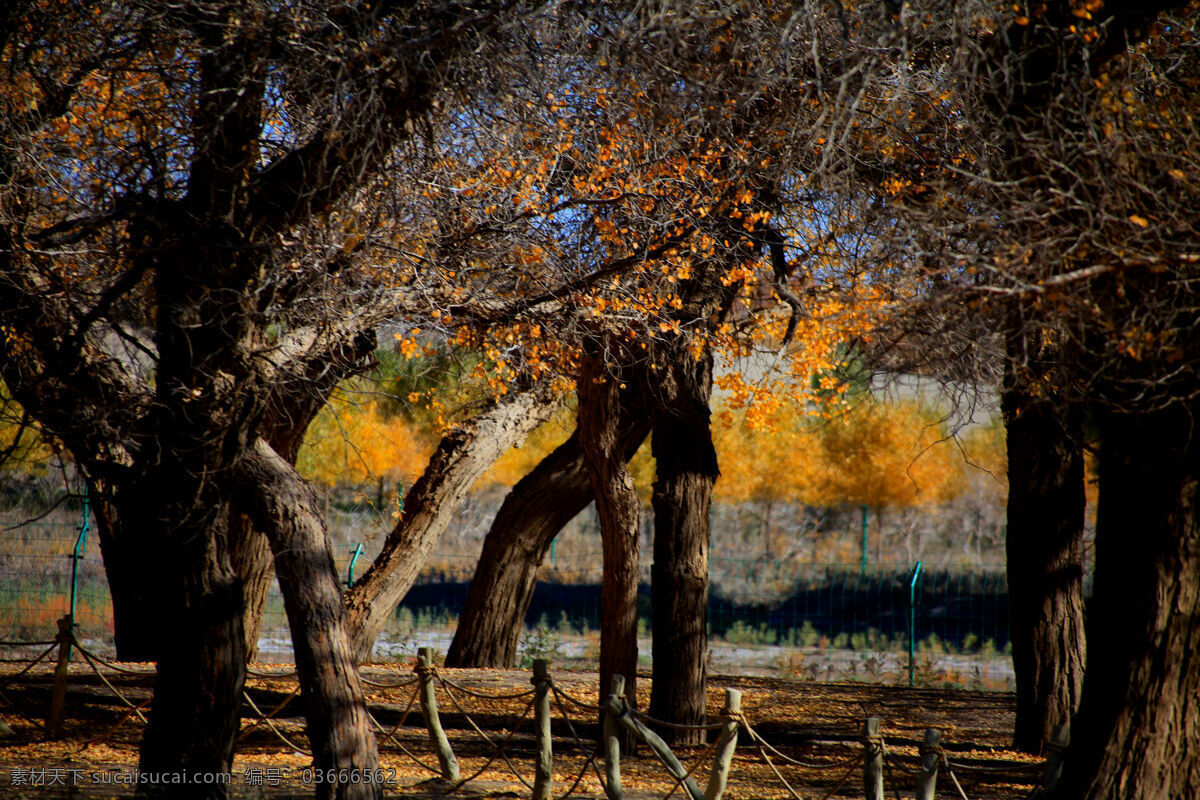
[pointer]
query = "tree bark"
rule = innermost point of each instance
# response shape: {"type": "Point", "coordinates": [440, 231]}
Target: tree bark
{"type": "Point", "coordinates": [1137, 733]}
{"type": "Point", "coordinates": [252, 562]}
{"type": "Point", "coordinates": [532, 514]}
{"type": "Point", "coordinates": [463, 455]}
{"type": "Point", "coordinates": [196, 711]}
{"type": "Point", "coordinates": [618, 506]}
{"type": "Point", "coordinates": [339, 728]}
{"type": "Point", "coordinates": [686, 464]}
{"type": "Point", "coordinates": [1046, 504]}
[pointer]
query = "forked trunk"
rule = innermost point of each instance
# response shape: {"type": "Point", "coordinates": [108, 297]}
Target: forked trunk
{"type": "Point", "coordinates": [1137, 733]}
{"type": "Point", "coordinates": [619, 509]}
{"type": "Point", "coordinates": [532, 514]}
{"type": "Point", "coordinates": [339, 727]}
{"type": "Point", "coordinates": [686, 464]}
{"type": "Point", "coordinates": [1044, 543]}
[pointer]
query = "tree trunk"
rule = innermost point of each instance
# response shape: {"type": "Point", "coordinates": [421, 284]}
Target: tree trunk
{"type": "Point", "coordinates": [532, 514]}
{"type": "Point", "coordinates": [138, 611]}
{"type": "Point", "coordinates": [1044, 543]}
{"type": "Point", "coordinates": [1137, 733]}
{"type": "Point", "coordinates": [463, 455]}
{"type": "Point", "coordinates": [618, 506]}
{"type": "Point", "coordinates": [535, 510]}
{"type": "Point", "coordinates": [196, 711]}
{"type": "Point", "coordinates": [339, 728]}
{"type": "Point", "coordinates": [686, 471]}
{"type": "Point", "coordinates": [252, 562]}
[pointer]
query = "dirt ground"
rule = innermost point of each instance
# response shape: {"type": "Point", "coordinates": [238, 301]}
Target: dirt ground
{"type": "Point", "coordinates": [819, 724]}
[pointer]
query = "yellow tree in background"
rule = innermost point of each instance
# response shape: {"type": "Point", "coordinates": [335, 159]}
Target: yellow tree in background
{"type": "Point", "coordinates": [884, 455]}
{"type": "Point", "coordinates": [354, 442]}
{"type": "Point", "coordinates": [888, 455]}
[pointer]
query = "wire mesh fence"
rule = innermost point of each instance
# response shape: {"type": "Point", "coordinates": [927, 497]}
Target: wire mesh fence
{"type": "Point", "coordinates": [882, 622]}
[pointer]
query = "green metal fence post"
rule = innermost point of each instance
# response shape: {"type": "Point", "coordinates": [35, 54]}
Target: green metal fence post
{"type": "Point", "coordinates": [358, 550]}
{"type": "Point", "coordinates": [76, 554]}
{"type": "Point", "coordinates": [912, 623]}
{"type": "Point", "coordinates": [863, 565]}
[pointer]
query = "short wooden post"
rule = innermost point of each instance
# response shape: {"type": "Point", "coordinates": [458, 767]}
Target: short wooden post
{"type": "Point", "coordinates": [58, 693]}
{"type": "Point", "coordinates": [612, 742]}
{"type": "Point", "coordinates": [1054, 757]}
{"type": "Point", "coordinates": [616, 706]}
{"type": "Point", "coordinates": [873, 762]}
{"type": "Point", "coordinates": [931, 757]}
{"type": "Point", "coordinates": [429, 708]}
{"type": "Point", "coordinates": [543, 768]}
{"type": "Point", "coordinates": [726, 744]}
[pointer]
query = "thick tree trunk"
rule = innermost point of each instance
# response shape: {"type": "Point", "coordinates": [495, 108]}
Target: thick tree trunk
{"type": "Point", "coordinates": [532, 514]}
{"type": "Point", "coordinates": [1044, 543]}
{"type": "Point", "coordinates": [1137, 733]}
{"type": "Point", "coordinates": [339, 728]}
{"type": "Point", "coordinates": [463, 455]}
{"type": "Point", "coordinates": [686, 464]}
{"type": "Point", "coordinates": [138, 612]}
{"type": "Point", "coordinates": [535, 510]}
{"type": "Point", "coordinates": [619, 508]}
{"type": "Point", "coordinates": [196, 711]}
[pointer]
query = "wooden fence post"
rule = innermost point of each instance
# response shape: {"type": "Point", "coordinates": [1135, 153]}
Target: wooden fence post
{"type": "Point", "coordinates": [931, 756]}
{"type": "Point", "coordinates": [873, 762]}
{"type": "Point", "coordinates": [543, 768]}
{"type": "Point", "coordinates": [58, 694]}
{"type": "Point", "coordinates": [616, 706]}
{"type": "Point", "coordinates": [726, 744]}
{"type": "Point", "coordinates": [429, 708]}
{"type": "Point", "coordinates": [612, 743]}
{"type": "Point", "coordinates": [1054, 757]}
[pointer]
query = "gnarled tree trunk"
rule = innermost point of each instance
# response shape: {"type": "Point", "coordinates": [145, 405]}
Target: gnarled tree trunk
{"type": "Point", "coordinates": [1137, 733]}
{"type": "Point", "coordinates": [1044, 543]}
{"type": "Point", "coordinates": [252, 562]}
{"type": "Point", "coordinates": [196, 711]}
{"type": "Point", "coordinates": [463, 455]}
{"type": "Point", "coordinates": [686, 464]}
{"type": "Point", "coordinates": [533, 513]}
{"type": "Point", "coordinates": [618, 506]}
{"type": "Point", "coordinates": [286, 507]}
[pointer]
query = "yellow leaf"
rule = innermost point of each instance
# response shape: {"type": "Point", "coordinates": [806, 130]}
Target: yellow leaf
{"type": "Point", "coordinates": [1140, 221]}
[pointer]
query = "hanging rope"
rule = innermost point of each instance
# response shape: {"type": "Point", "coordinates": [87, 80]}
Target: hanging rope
{"type": "Point", "coordinates": [679, 726]}
{"type": "Point", "coordinates": [559, 696]}
{"type": "Point", "coordinates": [390, 734]}
{"type": "Point", "coordinates": [272, 726]}
{"type": "Point", "coordinates": [500, 749]}
{"type": "Point", "coordinates": [381, 685]}
{"type": "Point", "coordinates": [274, 712]}
{"type": "Point", "coordinates": [30, 665]}
{"type": "Point", "coordinates": [696, 762]}
{"type": "Point", "coordinates": [754, 735]}
{"type": "Point", "coordinates": [88, 658]}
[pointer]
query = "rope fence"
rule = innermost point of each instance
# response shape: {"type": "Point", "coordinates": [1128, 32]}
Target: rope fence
{"type": "Point", "coordinates": [618, 720]}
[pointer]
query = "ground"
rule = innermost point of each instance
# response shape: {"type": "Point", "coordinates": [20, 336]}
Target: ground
{"type": "Point", "coordinates": [817, 723]}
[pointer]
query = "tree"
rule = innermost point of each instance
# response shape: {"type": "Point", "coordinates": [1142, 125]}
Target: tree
{"type": "Point", "coordinates": [177, 287]}
{"type": "Point", "coordinates": [532, 514]}
{"type": "Point", "coordinates": [657, 207]}
{"type": "Point", "coordinates": [1044, 540]}
{"type": "Point", "coordinates": [1073, 115]}
{"type": "Point", "coordinates": [617, 504]}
